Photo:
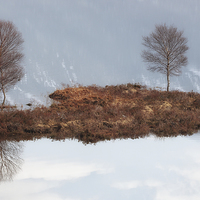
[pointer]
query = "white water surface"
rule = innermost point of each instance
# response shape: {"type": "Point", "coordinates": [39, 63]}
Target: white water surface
{"type": "Point", "coordinates": [149, 168]}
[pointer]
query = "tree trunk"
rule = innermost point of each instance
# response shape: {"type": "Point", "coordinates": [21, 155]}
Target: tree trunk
{"type": "Point", "coordinates": [167, 80]}
{"type": "Point", "coordinates": [3, 90]}
{"type": "Point", "coordinates": [4, 98]}
{"type": "Point", "coordinates": [168, 74]}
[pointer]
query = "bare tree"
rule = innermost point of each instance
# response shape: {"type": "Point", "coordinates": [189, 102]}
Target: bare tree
{"type": "Point", "coordinates": [11, 56]}
{"type": "Point", "coordinates": [165, 51]}
{"type": "Point", "coordinates": [10, 160]}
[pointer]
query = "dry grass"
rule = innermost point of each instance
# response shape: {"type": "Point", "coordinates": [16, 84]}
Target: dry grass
{"type": "Point", "coordinates": [93, 113]}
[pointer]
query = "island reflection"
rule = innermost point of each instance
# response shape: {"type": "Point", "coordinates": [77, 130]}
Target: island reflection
{"type": "Point", "coordinates": [10, 160]}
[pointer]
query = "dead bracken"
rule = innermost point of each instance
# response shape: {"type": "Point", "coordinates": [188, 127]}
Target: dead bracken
{"type": "Point", "coordinates": [91, 114]}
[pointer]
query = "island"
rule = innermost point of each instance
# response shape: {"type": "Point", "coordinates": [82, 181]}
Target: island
{"type": "Point", "coordinates": [93, 113]}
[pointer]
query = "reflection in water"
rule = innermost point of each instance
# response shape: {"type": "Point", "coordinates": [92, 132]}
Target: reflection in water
{"type": "Point", "coordinates": [148, 168]}
{"type": "Point", "coordinates": [10, 160]}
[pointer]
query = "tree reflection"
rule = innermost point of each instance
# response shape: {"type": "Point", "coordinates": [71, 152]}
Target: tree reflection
{"type": "Point", "coordinates": [10, 160]}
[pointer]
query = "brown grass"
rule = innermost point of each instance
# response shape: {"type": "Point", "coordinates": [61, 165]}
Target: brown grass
{"type": "Point", "coordinates": [93, 114]}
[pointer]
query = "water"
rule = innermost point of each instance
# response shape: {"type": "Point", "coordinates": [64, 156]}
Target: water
{"type": "Point", "coordinates": [148, 168]}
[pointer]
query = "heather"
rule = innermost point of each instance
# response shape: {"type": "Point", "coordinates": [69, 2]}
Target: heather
{"type": "Point", "coordinates": [92, 113]}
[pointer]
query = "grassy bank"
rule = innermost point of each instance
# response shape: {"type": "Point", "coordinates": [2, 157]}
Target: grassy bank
{"type": "Point", "coordinates": [92, 114]}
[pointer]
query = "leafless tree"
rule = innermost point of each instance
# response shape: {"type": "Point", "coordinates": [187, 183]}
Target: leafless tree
{"type": "Point", "coordinates": [11, 56]}
{"type": "Point", "coordinates": [165, 49]}
{"type": "Point", "coordinates": [10, 160]}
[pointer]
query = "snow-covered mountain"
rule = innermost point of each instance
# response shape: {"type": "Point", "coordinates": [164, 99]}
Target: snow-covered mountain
{"type": "Point", "coordinates": [96, 42]}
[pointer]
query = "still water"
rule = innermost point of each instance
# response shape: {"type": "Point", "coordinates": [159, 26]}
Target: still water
{"type": "Point", "coordinates": [148, 168]}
